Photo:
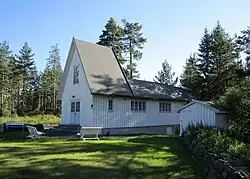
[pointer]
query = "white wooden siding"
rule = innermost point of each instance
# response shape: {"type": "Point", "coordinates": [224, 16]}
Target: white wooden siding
{"type": "Point", "coordinates": [122, 116]}
{"type": "Point", "coordinates": [196, 113]}
{"type": "Point", "coordinates": [80, 91]}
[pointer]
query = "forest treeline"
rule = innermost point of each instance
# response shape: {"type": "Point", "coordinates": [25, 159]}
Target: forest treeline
{"type": "Point", "coordinates": [218, 71]}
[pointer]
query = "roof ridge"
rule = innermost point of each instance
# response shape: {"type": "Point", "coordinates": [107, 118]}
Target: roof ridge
{"type": "Point", "coordinates": [155, 82]}
{"type": "Point", "coordinates": [91, 43]}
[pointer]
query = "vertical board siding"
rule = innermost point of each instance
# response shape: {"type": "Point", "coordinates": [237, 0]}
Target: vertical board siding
{"type": "Point", "coordinates": [197, 113]}
{"type": "Point", "coordinates": [122, 116]}
{"type": "Point", "coordinates": [80, 92]}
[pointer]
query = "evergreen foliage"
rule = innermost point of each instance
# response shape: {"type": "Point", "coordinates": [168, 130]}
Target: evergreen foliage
{"type": "Point", "coordinates": [166, 76]}
{"type": "Point", "coordinates": [24, 90]}
{"type": "Point", "coordinates": [127, 42]}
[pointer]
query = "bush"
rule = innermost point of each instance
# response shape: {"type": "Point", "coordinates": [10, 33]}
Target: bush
{"type": "Point", "coordinates": [219, 142]}
{"type": "Point", "coordinates": [237, 101]}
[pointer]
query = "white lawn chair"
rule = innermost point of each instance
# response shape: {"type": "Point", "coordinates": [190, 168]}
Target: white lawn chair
{"type": "Point", "coordinates": [33, 133]}
{"type": "Point", "coordinates": [90, 133]}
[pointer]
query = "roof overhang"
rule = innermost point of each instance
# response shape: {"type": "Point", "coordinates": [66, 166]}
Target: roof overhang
{"type": "Point", "coordinates": [217, 111]}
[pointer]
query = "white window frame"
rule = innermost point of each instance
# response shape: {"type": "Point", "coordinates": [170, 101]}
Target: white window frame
{"type": "Point", "coordinates": [165, 107]}
{"type": "Point", "coordinates": [138, 106]}
{"type": "Point", "coordinates": [110, 105]}
{"type": "Point", "coordinates": [76, 74]}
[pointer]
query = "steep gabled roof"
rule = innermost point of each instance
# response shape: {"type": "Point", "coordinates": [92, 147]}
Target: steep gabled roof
{"type": "Point", "coordinates": [209, 104]}
{"type": "Point", "coordinates": [102, 69]}
{"type": "Point", "coordinates": [105, 76]}
{"type": "Point", "coordinates": [156, 90]}
{"type": "Point", "coordinates": [103, 72]}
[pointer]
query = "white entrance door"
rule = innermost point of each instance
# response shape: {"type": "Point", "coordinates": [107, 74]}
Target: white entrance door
{"type": "Point", "coordinates": [75, 112]}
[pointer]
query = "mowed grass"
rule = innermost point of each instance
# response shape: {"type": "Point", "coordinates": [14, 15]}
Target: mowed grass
{"type": "Point", "coordinates": [112, 157]}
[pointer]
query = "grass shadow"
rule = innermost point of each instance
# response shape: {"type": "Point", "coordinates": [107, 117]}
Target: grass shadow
{"type": "Point", "coordinates": [126, 157]}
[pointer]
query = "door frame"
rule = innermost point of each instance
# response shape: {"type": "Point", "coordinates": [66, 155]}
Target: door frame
{"type": "Point", "coordinates": [75, 101]}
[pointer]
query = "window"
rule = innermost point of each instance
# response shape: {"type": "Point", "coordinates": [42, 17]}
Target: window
{"type": "Point", "coordinates": [72, 107]}
{"type": "Point", "coordinates": [78, 106]}
{"type": "Point", "coordinates": [76, 74]}
{"type": "Point", "coordinates": [164, 107]}
{"type": "Point", "coordinates": [75, 106]}
{"type": "Point", "coordinates": [110, 105]}
{"type": "Point", "coordinates": [138, 106]}
{"type": "Point", "coordinates": [144, 106]}
{"type": "Point", "coordinates": [132, 105]}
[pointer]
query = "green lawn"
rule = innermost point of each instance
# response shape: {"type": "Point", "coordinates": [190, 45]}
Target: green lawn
{"type": "Point", "coordinates": [116, 157]}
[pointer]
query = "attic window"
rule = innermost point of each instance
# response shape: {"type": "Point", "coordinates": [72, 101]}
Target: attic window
{"type": "Point", "coordinates": [76, 74]}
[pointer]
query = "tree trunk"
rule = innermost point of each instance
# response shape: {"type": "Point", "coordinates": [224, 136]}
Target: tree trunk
{"type": "Point", "coordinates": [2, 91]}
{"type": "Point", "coordinates": [23, 94]}
{"type": "Point", "coordinates": [130, 61]}
{"type": "Point", "coordinates": [54, 97]}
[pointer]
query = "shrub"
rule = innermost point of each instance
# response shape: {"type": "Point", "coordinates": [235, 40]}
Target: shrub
{"type": "Point", "coordinates": [237, 101]}
{"type": "Point", "coordinates": [219, 142]}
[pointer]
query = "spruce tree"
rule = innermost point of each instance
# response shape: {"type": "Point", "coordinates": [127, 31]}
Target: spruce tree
{"type": "Point", "coordinates": [47, 91]}
{"type": "Point", "coordinates": [36, 102]}
{"type": "Point", "coordinates": [51, 77]}
{"type": "Point", "coordinates": [5, 55]}
{"type": "Point", "coordinates": [190, 77]}
{"type": "Point", "coordinates": [204, 65]}
{"type": "Point", "coordinates": [112, 37]}
{"type": "Point", "coordinates": [244, 43]}
{"type": "Point", "coordinates": [26, 66]}
{"type": "Point", "coordinates": [224, 56]}
{"type": "Point", "coordinates": [14, 82]}
{"type": "Point", "coordinates": [166, 76]}
{"type": "Point", "coordinates": [133, 42]}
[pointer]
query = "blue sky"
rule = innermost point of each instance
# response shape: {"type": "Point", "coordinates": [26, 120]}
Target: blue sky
{"type": "Point", "coordinates": [173, 28]}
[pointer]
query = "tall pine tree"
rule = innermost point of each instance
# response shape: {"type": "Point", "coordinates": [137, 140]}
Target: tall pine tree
{"type": "Point", "coordinates": [26, 66]}
{"type": "Point", "coordinates": [216, 67]}
{"type": "Point", "coordinates": [204, 65]}
{"type": "Point", "coordinates": [133, 42]}
{"type": "Point", "coordinates": [5, 55]}
{"type": "Point", "coordinates": [51, 78]}
{"type": "Point", "coordinates": [224, 55]}
{"type": "Point", "coordinates": [244, 43]}
{"type": "Point", "coordinates": [112, 37]}
{"type": "Point", "coordinates": [166, 76]}
{"type": "Point", "coordinates": [190, 77]}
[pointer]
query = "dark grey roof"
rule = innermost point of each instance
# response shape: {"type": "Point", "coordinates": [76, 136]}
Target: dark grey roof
{"type": "Point", "coordinates": [155, 90]}
{"type": "Point", "coordinates": [209, 104]}
{"type": "Point", "coordinates": [213, 105]}
{"type": "Point", "coordinates": [102, 70]}
{"type": "Point", "coordinates": [105, 76]}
